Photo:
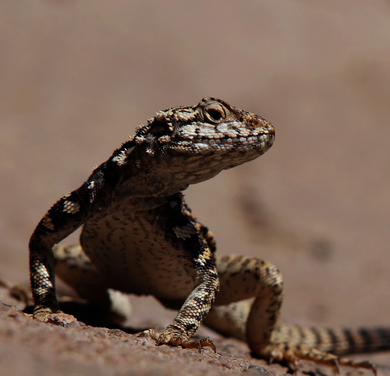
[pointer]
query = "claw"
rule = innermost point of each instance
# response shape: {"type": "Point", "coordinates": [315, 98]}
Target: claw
{"type": "Point", "coordinates": [294, 354]}
{"type": "Point", "coordinates": [369, 365]}
{"type": "Point", "coordinates": [337, 365]}
{"type": "Point", "coordinates": [207, 341]}
{"type": "Point", "coordinates": [150, 333]}
{"type": "Point", "coordinates": [165, 339]}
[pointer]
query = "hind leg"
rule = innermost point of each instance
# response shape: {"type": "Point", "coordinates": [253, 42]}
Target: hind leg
{"type": "Point", "coordinates": [255, 321]}
{"type": "Point", "coordinates": [76, 270]}
{"type": "Point", "coordinates": [233, 313]}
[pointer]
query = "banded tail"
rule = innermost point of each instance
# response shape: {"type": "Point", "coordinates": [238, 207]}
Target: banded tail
{"type": "Point", "coordinates": [337, 340]}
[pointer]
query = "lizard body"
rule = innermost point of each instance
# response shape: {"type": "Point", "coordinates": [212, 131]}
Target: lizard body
{"type": "Point", "coordinates": [139, 236]}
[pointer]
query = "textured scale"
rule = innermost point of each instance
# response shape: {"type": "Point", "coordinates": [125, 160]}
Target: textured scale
{"type": "Point", "coordinates": [139, 236]}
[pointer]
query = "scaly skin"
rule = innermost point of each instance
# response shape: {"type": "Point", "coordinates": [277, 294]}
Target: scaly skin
{"type": "Point", "coordinates": [140, 237]}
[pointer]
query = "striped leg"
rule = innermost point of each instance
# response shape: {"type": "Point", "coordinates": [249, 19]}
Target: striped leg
{"type": "Point", "coordinates": [256, 321]}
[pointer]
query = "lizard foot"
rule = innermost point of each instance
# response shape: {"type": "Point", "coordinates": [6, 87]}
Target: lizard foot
{"type": "Point", "coordinates": [293, 354]}
{"type": "Point", "coordinates": [175, 340]}
{"type": "Point", "coordinates": [46, 314]}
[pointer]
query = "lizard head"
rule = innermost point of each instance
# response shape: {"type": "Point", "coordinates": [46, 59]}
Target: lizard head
{"type": "Point", "coordinates": [187, 145]}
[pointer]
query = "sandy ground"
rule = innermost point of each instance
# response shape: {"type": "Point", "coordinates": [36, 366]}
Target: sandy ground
{"type": "Point", "coordinates": [78, 76]}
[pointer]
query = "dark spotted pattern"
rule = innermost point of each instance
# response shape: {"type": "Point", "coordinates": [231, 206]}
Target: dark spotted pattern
{"type": "Point", "coordinates": [139, 236]}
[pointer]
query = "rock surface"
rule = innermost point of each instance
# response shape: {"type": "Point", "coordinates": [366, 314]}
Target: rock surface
{"type": "Point", "coordinates": [29, 347]}
{"type": "Point", "coordinates": [78, 76]}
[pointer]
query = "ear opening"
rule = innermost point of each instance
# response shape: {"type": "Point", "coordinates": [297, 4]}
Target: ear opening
{"type": "Point", "coordinates": [159, 128]}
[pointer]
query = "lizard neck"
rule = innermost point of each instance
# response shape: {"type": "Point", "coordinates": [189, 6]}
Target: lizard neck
{"type": "Point", "coordinates": [137, 180]}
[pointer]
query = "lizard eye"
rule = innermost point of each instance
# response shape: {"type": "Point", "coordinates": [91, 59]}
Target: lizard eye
{"type": "Point", "coordinates": [215, 114]}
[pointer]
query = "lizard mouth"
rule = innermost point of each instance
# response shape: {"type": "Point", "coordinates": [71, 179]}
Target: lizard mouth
{"type": "Point", "coordinates": [226, 141]}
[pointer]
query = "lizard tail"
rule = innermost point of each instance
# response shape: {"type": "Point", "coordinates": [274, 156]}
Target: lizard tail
{"type": "Point", "coordinates": [337, 340]}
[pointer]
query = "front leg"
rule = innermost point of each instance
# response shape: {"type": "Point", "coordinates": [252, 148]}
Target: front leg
{"type": "Point", "coordinates": [190, 316]}
{"type": "Point", "coordinates": [193, 311]}
{"type": "Point", "coordinates": [195, 248]}
{"type": "Point", "coordinates": [64, 217]}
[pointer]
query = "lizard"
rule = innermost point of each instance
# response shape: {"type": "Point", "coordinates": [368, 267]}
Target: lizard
{"type": "Point", "coordinates": [139, 236]}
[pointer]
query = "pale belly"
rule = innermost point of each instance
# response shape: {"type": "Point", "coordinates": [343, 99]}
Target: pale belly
{"type": "Point", "coordinates": [134, 260]}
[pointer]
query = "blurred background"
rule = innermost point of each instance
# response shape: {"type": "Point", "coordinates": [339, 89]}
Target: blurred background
{"type": "Point", "coordinates": [78, 76]}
